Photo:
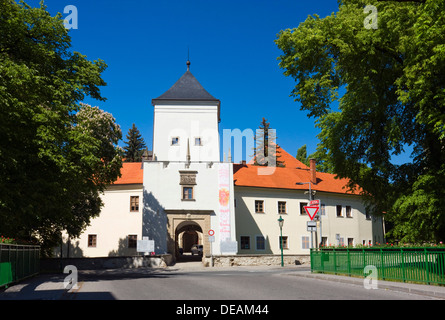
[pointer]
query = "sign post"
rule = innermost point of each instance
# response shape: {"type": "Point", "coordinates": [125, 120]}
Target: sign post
{"type": "Point", "coordinates": [211, 240]}
{"type": "Point", "coordinates": [311, 212]}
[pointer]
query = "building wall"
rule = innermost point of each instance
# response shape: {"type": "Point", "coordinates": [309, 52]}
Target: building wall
{"type": "Point", "coordinates": [165, 210]}
{"type": "Point", "coordinates": [358, 227]}
{"type": "Point", "coordinates": [186, 122]}
{"type": "Point", "coordinates": [112, 227]}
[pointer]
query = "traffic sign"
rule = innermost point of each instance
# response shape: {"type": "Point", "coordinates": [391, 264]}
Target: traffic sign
{"type": "Point", "coordinates": [311, 211]}
{"type": "Point", "coordinates": [311, 226]}
{"type": "Point", "coordinates": [211, 232]}
{"type": "Point", "coordinates": [211, 238]}
{"type": "Point", "coordinates": [314, 203]}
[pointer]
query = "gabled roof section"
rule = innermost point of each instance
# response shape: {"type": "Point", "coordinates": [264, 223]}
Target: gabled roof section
{"type": "Point", "coordinates": [186, 88]}
{"type": "Point", "coordinates": [287, 177]}
{"type": "Point", "coordinates": [131, 173]}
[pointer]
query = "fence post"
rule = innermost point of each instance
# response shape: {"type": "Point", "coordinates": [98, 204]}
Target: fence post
{"type": "Point", "coordinates": [349, 262]}
{"type": "Point", "coordinates": [335, 261]}
{"type": "Point", "coordinates": [383, 265]}
{"type": "Point", "coordinates": [403, 265]}
{"type": "Point", "coordinates": [427, 266]}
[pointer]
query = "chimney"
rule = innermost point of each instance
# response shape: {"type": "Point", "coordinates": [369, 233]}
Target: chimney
{"type": "Point", "coordinates": [313, 171]}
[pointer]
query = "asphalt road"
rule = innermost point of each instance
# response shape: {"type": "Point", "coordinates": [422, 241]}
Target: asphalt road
{"type": "Point", "coordinates": [191, 282]}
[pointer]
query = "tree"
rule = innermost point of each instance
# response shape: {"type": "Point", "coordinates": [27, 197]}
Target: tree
{"type": "Point", "coordinates": [302, 155]}
{"type": "Point", "coordinates": [394, 97]}
{"type": "Point", "coordinates": [266, 152]}
{"type": "Point", "coordinates": [56, 155]}
{"type": "Point", "coordinates": [135, 145]}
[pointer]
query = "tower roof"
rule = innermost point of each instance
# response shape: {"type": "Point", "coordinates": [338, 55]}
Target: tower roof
{"type": "Point", "coordinates": [186, 88]}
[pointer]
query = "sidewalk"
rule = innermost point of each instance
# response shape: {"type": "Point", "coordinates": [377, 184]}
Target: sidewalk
{"type": "Point", "coordinates": [421, 289]}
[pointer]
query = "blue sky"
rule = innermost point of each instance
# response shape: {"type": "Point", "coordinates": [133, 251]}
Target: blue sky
{"type": "Point", "coordinates": [232, 54]}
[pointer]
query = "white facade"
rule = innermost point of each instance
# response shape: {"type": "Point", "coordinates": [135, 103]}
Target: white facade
{"type": "Point", "coordinates": [179, 128]}
{"type": "Point", "coordinates": [111, 232]}
{"type": "Point", "coordinates": [163, 200]}
{"type": "Point", "coordinates": [353, 226]}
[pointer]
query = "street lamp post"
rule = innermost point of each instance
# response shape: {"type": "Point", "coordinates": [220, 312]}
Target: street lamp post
{"type": "Point", "coordinates": [280, 223]}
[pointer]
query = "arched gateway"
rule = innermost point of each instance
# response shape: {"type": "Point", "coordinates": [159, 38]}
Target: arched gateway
{"type": "Point", "coordinates": [181, 221]}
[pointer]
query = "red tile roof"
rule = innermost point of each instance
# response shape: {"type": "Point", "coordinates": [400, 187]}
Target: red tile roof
{"type": "Point", "coordinates": [131, 173]}
{"type": "Point", "coordinates": [287, 177]}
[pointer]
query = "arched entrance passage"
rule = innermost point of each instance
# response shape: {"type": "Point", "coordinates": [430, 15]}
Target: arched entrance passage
{"type": "Point", "coordinates": [188, 233]}
{"type": "Point", "coordinates": [180, 222]}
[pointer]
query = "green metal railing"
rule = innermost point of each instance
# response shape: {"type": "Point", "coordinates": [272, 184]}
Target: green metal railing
{"type": "Point", "coordinates": [18, 262]}
{"type": "Point", "coordinates": [421, 264]}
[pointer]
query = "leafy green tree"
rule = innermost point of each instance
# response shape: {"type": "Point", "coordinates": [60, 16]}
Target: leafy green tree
{"type": "Point", "coordinates": [56, 155]}
{"type": "Point", "coordinates": [302, 155]}
{"type": "Point", "coordinates": [394, 97]}
{"type": "Point", "coordinates": [135, 145]}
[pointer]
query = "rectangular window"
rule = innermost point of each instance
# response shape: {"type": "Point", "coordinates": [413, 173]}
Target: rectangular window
{"type": "Point", "coordinates": [283, 240]}
{"type": "Point", "coordinates": [339, 210]}
{"type": "Point", "coordinates": [134, 203]}
{"type": "Point", "coordinates": [198, 142]}
{"type": "Point", "coordinates": [341, 241]}
{"type": "Point", "coordinates": [132, 240]}
{"type": "Point", "coordinates": [175, 141]}
{"type": "Point", "coordinates": [281, 207]}
{"type": "Point", "coordinates": [305, 242]}
{"type": "Point", "coordinates": [367, 215]}
{"type": "Point", "coordinates": [187, 193]}
{"type": "Point", "coordinates": [260, 243]}
{"type": "Point", "coordinates": [350, 241]}
{"type": "Point", "coordinates": [259, 206]}
{"type": "Point", "coordinates": [245, 242]}
{"type": "Point", "coordinates": [92, 240]}
{"type": "Point", "coordinates": [348, 212]}
{"type": "Point", "coordinates": [302, 211]}
{"type": "Point", "coordinates": [324, 241]}
{"type": "Point", "coordinates": [323, 209]}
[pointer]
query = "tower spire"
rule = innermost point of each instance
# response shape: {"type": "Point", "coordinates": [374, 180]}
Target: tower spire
{"type": "Point", "coordinates": [188, 59]}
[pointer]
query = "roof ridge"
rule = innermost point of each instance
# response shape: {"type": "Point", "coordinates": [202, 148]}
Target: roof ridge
{"type": "Point", "coordinates": [187, 88]}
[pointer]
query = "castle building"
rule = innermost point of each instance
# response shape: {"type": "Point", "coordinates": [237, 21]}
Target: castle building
{"type": "Point", "coordinates": [183, 193]}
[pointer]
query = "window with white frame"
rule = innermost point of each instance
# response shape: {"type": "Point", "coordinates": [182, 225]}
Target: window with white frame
{"type": "Point", "coordinates": [282, 207]}
{"type": "Point", "coordinates": [348, 212]}
{"type": "Point", "coordinates": [339, 210]}
{"type": "Point", "coordinates": [302, 205]}
{"type": "Point", "coordinates": [259, 206]}
{"type": "Point", "coordinates": [283, 241]}
{"type": "Point", "coordinates": [322, 209]}
{"type": "Point", "coordinates": [305, 242]}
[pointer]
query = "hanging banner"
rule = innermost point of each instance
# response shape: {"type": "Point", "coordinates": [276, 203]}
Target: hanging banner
{"type": "Point", "coordinates": [224, 201]}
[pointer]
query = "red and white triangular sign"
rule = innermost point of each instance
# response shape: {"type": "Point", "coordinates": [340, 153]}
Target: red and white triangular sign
{"type": "Point", "coordinates": [311, 211]}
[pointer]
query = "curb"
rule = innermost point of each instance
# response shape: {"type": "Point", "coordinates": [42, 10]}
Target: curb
{"type": "Point", "coordinates": [419, 289]}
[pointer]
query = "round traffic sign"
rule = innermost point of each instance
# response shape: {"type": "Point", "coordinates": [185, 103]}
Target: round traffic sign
{"type": "Point", "coordinates": [211, 232]}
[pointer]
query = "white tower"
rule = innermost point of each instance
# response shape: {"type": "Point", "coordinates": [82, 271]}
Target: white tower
{"type": "Point", "coordinates": [187, 190]}
{"type": "Point", "coordinates": [186, 121]}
